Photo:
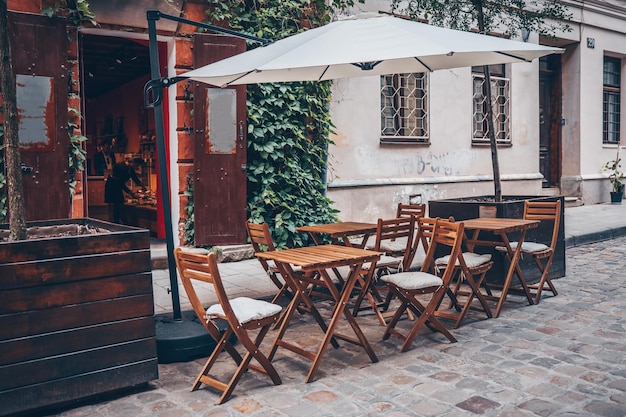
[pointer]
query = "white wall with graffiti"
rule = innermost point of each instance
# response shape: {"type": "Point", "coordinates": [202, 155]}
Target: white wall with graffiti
{"type": "Point", "coordinates": [367, 179]}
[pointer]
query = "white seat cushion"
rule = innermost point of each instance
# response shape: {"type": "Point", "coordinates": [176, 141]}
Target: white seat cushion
{"type": "Point", "coordinates": [418, 259]}
{"type": "Point", "coordinates": [471, 259]}
{"type": "Point", "coordinates": [385, 261]}
{"type": "Point", "coordinates": [245, 309]}
{"type": "Point", "coordinates": [397, 245]}
{"type": "Point", "coordinates": [527, 247]}
{"type": "Point", "coordinates": [413, 280]}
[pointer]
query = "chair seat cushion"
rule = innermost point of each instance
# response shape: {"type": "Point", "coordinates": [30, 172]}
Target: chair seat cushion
{"type": "Point", "coordinates": [245, 309]}
{"type": "Point", "coordinates": [395, 246]}
{"type": "Point", "coordinates": [471, 259]}
{"type": "Point", "coordinates": [413, 280]}
{"type": "Point", "coordinates": [527, 247]}
{"type": "Point", "coordinates": [385, 261]}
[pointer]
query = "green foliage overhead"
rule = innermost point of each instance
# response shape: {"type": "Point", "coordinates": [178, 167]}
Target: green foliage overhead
{"type": "Point", "coordinates": [288, 123]}
{"type": "Point", "coordinates": [508, 16]}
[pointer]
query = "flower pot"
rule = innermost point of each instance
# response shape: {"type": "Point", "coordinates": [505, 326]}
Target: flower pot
{"type": "Point", "coordinates": [76, 317]}
{"type": "Point", "coordinates": [616, 196]}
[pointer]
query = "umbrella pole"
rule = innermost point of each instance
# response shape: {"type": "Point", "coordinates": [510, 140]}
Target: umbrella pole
{"type": "Point", "coordinates": [177, 339]}
{"type": "Point", "coordinates": [163, 174]}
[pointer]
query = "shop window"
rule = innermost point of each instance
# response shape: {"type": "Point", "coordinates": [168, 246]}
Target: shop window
{"type": "Point", "coordinates": [611, 92]}
{"type": "Point", "coordinates": [501, 105]}
{"type": "Point", "coordinates": [404, 108]}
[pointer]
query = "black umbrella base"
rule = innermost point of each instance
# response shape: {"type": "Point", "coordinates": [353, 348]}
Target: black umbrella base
{"type": "Point", "coordinates": [183, 340]}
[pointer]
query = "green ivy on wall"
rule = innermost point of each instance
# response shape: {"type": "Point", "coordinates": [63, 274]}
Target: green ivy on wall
{"type": "Point", "coordinates": [288, 123]}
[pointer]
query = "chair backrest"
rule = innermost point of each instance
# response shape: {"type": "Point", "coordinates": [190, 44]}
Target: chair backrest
{"type": "Point", "coordinates": [446, 233]}
{"type": "Point", "coordinates": [260, 237]}
{"type": "Point", "coordinates": [193, 266]}
{"type": "Point", "coordinates": [545, 211]}
{"type": "Point", "coordinates": [261, 240]}
{"type": "Point", "coordinates": [425, 227]}
{"type": "Point", "coordinates": [417, 210]}
{"type": "Point", "coordinates": [396, 229]}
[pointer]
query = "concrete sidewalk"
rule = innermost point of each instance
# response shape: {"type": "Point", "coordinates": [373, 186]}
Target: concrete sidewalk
{"type": "Point", "coordinates": [583, 224]}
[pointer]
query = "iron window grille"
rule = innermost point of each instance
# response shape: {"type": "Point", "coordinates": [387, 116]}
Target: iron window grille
{"type": "Point", "coordinates": [404, 108]}
{"type": "Point", "coordinates": [501, 105]}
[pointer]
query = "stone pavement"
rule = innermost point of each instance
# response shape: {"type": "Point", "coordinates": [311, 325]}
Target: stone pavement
{"type": "Point", "coordinates": [563, 357]}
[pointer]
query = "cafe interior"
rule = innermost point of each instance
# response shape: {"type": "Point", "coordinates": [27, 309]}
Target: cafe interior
{"type": "Point", "coordinates": [117, 124]}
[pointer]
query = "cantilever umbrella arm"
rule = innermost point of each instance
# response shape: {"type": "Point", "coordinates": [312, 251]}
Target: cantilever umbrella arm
{"type": "Point", "coordinates": [153, 96]}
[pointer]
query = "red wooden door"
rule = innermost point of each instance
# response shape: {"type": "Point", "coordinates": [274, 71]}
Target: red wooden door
{"type": "Point", "coordinates": [38, 49]}
{"type": "Point", "coordinates": [220, 149]}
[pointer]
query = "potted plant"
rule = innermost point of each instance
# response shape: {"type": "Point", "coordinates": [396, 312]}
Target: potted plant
{"type": "Point", "coordinates": [616, 178]}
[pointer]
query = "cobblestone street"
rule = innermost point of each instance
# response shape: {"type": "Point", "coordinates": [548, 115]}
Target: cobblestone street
{"type": "Point", "coordinates": [563, 357]}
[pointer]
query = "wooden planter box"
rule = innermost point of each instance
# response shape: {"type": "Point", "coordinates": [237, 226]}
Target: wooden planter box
{"type": "Point", "coordinates": [512, 207]}
{"type": "Point", "coordinates": [76, 314]}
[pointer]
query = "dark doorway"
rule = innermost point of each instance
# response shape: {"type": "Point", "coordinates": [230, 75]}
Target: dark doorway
{"type": "Point", "coordinates": [550, 120]}
{"type": "Point", "coordinates": [114, 71]}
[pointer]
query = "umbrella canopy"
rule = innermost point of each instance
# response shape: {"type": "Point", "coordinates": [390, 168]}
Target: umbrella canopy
{"type": "Point", "coordinates": [363, 45]}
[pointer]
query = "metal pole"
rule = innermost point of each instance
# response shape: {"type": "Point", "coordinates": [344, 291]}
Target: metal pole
{"type": "Point", "coordinates": [156, 86]}
{"type": "Point", "coordinates": [163, 173]}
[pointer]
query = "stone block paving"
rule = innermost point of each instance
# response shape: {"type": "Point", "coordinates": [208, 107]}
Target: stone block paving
{"type": "Point", "coordinates": [564, 357]}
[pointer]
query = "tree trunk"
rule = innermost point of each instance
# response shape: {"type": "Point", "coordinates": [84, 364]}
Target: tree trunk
{"type": "Point", "coordinates": [15, 190]}
{"type": "Point", "coordinates": [497, 185]}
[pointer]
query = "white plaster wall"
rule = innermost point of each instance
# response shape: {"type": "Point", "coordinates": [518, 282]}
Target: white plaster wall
{"type": "Point", "coordinates": [366, 179]}
{"type": "Point", "coordinates": [594, 154]}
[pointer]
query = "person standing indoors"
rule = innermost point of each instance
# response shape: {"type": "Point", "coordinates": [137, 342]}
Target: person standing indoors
{"type": "Point", "coordinates": [115, 187]}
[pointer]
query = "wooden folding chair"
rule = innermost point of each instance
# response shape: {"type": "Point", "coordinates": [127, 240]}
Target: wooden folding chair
{"type": "Point", "coordinates": [470, 271]}
{"type": "Point", "coordinates": [415, 210]}
{"type": "Point", "coordinates": [424, 227]}
{"type": "Point", "coordinates": [242, 314]}
{"type": "Point", "coordinates": [542, 254]}
{"type": "Point", "coordinates": [391, 230]}
{"type": "Point", "coordinates": [408, 285]}
{"type": "Point", "coordinates": [262, 241]}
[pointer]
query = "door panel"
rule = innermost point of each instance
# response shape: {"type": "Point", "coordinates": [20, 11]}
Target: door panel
{"type": "Point", "coordinates": [38, 48]}
{"type": "Point", "coordinates": [550, 120]}
{"type": "Point", "coordinates": [220, 149]}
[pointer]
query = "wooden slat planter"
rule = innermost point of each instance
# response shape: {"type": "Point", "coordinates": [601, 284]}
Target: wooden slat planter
{"type": "Point", "coordinates": [76, 314]}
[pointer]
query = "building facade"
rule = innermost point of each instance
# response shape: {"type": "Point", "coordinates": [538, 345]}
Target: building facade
{"type": "Point", "coordinates": [558, 122]}
{"type": "Point", "coordinates": [398, 138]}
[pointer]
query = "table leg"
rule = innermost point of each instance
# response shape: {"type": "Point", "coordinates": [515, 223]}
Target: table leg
{"type": "Point", "coordinates": [341, 308]}
{"type": "Point", "coordinates": [300, 295]}
{"type": "Point", "coordinates": [513, 269]}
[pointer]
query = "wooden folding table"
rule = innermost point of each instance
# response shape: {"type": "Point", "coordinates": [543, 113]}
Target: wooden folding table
{"type": "Point", "coordinates": [340, 232]}
{"type": "Point", "coordinates": [314, 262]}
{"type": "Point", "coordinates": [502, 227]}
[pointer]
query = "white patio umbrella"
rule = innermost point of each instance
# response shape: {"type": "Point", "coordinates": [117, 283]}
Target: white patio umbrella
{"type": "Point", "coordinates": [362, 45]}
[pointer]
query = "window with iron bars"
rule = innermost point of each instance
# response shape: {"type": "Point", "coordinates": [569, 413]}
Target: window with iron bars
{"type": "Point", "coordinates": [501, 105]}
{"type": "Point", "coordinates": [611, 92]}
{"type": "Point", "coordinates": [404, 108]}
